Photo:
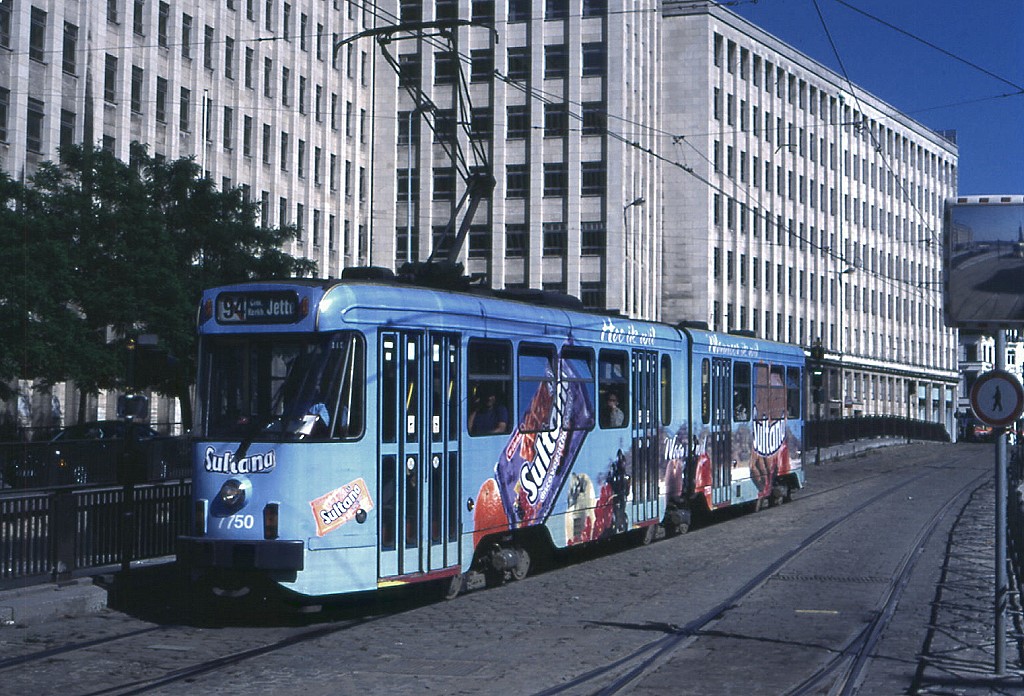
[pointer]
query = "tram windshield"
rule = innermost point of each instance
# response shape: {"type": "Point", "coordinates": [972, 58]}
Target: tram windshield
{"type": "Point", "coordinates": [274, 387]}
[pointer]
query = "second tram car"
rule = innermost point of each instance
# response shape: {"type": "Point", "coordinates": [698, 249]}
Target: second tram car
{"type": "Point", "coordinates": [357, 435]}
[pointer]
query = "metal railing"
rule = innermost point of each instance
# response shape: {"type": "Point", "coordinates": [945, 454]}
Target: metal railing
{"type": "Point", "coordinates": [48, 535]}
{"type": "Point", "coordinates": [834, 431]}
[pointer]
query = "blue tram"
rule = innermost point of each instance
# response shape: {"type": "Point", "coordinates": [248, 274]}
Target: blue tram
{"type": "Point", "coordinates": [356, 435]}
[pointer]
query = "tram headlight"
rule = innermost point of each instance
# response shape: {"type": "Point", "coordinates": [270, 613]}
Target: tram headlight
{"type": "Point", "coordinates": [233, 494]}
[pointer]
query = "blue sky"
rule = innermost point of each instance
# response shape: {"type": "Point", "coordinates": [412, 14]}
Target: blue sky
{"type": "Point", "coordinates": [937, 90]}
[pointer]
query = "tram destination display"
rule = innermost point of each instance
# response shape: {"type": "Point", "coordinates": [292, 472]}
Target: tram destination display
{"type": "Point", "coordinates": [984, 262]}
{"type": "Point", "coordinates": [257, 308]}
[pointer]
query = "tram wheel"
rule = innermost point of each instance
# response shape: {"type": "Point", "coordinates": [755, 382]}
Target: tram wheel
{"type": "Point", "coordinates": [647, 534]}
{"type": "Point", "coordinates": [452, 587]}
{"type": "Point", "coordinates": [522, 566]}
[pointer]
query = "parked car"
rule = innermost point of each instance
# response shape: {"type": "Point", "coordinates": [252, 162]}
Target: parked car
{"type": "Point", "coordinates": [103, 430]}
{"type": "Point", "coordinates": [90, 451]}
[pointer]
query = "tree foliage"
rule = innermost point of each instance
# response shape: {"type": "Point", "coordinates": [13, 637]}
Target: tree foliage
{"type": "Point", "coordinates": [99, 250]}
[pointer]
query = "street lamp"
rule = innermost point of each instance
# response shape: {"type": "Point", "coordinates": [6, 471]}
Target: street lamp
{"type": "Point", "coordinates": [839, 347]}
{"type": "Point", "coordinates": [631, 255]}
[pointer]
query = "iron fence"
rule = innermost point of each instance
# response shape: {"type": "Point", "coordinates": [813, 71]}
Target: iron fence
{"type": "Point", "coordinates": [51, 534]}
{"type": "Point", "coordinates": [834, 431]}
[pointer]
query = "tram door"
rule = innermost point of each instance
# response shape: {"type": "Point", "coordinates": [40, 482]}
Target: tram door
{"type": "Point", "coordinates": [645, 435]}
{"type": "Point", "coordinates": [419, 465]}
{"type": "Point", "coordinates": [721, 431]}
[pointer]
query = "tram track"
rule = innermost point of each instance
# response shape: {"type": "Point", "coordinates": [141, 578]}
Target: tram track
{"type": "Point", "coordinates": [847, 665]}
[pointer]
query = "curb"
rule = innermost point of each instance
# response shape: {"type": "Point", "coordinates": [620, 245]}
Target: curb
{"type": "Point", "coordinates": [40, 603]}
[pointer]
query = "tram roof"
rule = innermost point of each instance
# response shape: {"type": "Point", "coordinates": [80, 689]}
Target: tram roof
{"type": "Point", "coordinates": [342, 304]}
{"type": "Point", "coordinates": [738, 346]}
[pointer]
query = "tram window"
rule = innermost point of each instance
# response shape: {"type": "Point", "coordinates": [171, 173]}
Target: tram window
{"type": "Point", "coordinates": [705, 391]}
{"type": "Point", "coordinates": [666, 390]}
{"type": "Point", "coordinates": [769, 392]}
{"type": "Point", "coordinates": [613, 388]}
{"type": "Point", "coordinates": [490, 387]}
{"type": "Point", "coordinates": [793, 392]}
{"type": "Point", "coordinates": [577, 374]}
{"type": "Point", "coordinates": [741, 391]}
{"type": "Point", "coordinates": [536, 388]}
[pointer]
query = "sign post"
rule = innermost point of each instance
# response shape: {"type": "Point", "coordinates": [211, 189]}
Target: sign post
{"type": "Point", "coordinates": [998, 400]}
{"type": "Point", "coordinates": [983, 259]}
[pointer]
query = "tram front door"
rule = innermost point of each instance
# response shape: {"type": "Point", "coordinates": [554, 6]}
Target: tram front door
{"type": "Point", "coordinates": [418, 485]}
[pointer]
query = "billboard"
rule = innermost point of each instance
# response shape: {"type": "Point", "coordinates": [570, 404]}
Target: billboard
{"type": "Point", "coordinates": [984, 262]}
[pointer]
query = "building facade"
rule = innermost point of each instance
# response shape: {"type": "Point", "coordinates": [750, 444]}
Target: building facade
{"type": "Point", "coordinates": [559, 102]}
{"type": "Point", "coordinates": [816, 210]}
{"type": "Point", "coordinates": [664, 160]}
{"type": "Point", "coordinates": [252, 89]}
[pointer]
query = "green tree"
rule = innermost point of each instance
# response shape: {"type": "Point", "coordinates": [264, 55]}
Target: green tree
{"type": "Point", "coordinates": [113, 250]}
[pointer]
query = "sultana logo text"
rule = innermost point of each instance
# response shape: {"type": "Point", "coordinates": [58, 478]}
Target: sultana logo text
{"type": "Point", "coordinates": [768, 436]}
{"type": "Point", "coordinates": [227, 464]}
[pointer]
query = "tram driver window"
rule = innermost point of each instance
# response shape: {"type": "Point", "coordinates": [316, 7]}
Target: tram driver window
{"type": "Point", "coordinates": [613, 388]}
{"type": "Point", "coordinates": [489, 387]}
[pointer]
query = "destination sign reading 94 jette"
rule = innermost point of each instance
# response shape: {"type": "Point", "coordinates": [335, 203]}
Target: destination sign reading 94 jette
{"type": "Point", "coordinates": [257, 308]}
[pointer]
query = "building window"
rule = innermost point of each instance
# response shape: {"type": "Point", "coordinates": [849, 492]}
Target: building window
{"type": "Point", "coordinates": [284, 151]}
{"type": "Point", "coordinates": [444, 183]}
{"type": "Point", "coordinates": [593, 294]}
{"type": "Point", "coordinates": [408, 186]}
{"type": "Point", "coordinates": [556, 61]}
{"type": "Point", "coordinates": [518, 10]}
{"type": "Point", "coordinates": [483, 11]}
{"type": "Point", "coordinates": [247, 136]}
{"type": "Point", "coordinates": [595, 8]}
{"type": "Point", "coordinates": [517, 178]}
{"type": "Point", "coordinates": [229, 58]}
{"type": "Point", "coordinates": [34, 125]}
{"type": "Point", "coordinates": [138, 20]}
{"type": "Point", "coordinates": [184, 109]}
{"type": "Point", "coordinates": [556, 179]}
{"type": "Point", "coordinates": [267, 145]}
{"type": "Point", "coordinates": [268, 77]}
{"type": "Point", "coordinates": [481, 66]}
{"type": "Point", "coordinates": [300, 157]}
{"type": "Point", "coordinates": [444, 9]}
{"type": "Point", "coordinates": [556, 120]}
{"type": "Point", "coordinates": [592, 178]}
{"type": "Point", "coordinates": [555, 238]}
{"type": "Point", "coordinates": [480, 125]}
{"type": "Point", "coordinates": [595, 118]}
{"type": "Point", "coordinates": [110, 78]}
{"type": "Point", "coordinates": [285, 82]}
{"type": "Point", "coordinates": [161, 100]}
{"type": "Point", "coordinates": [446, 68]}
{"type": "Point", "coordinates": [5, 24]}
{"type": "Point", "coordinates": [518, 63]}
{"type": "Point", "coordinates": [517, 121]}
{"type": "Point", "coordinates": [162, 22]}
{"type": "Point", "coordinates": [229, 127]}
{"type": "Point", "coordinates": [137, 78]}
{"type": "Point", "coordinates": [67, 129]}
{"type": "Point", "coordinates": [37, 35]}
{"type": "Point", "coordinates": [556, 9]}
{"type": "Point", "coordinates": [516, 240]}
{"type": "Point", "coordinates": [479, 241]}
{"type": "Point", "coordinates": [593, 238]}
{"type": "Point", "coordinates": [186, 36]}
{"type": "Point", "coordinates": [409, 69]}
{"type": "Point", "coordinates": [69, 60]}
{"type": "Point", "coordinates": [594, 59]}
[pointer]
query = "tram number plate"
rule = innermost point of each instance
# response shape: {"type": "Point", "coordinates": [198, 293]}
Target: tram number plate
{"type": "Point", "coordinates": [257, 308]}
{"type": "Point", "coordinates": [238, 522]}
